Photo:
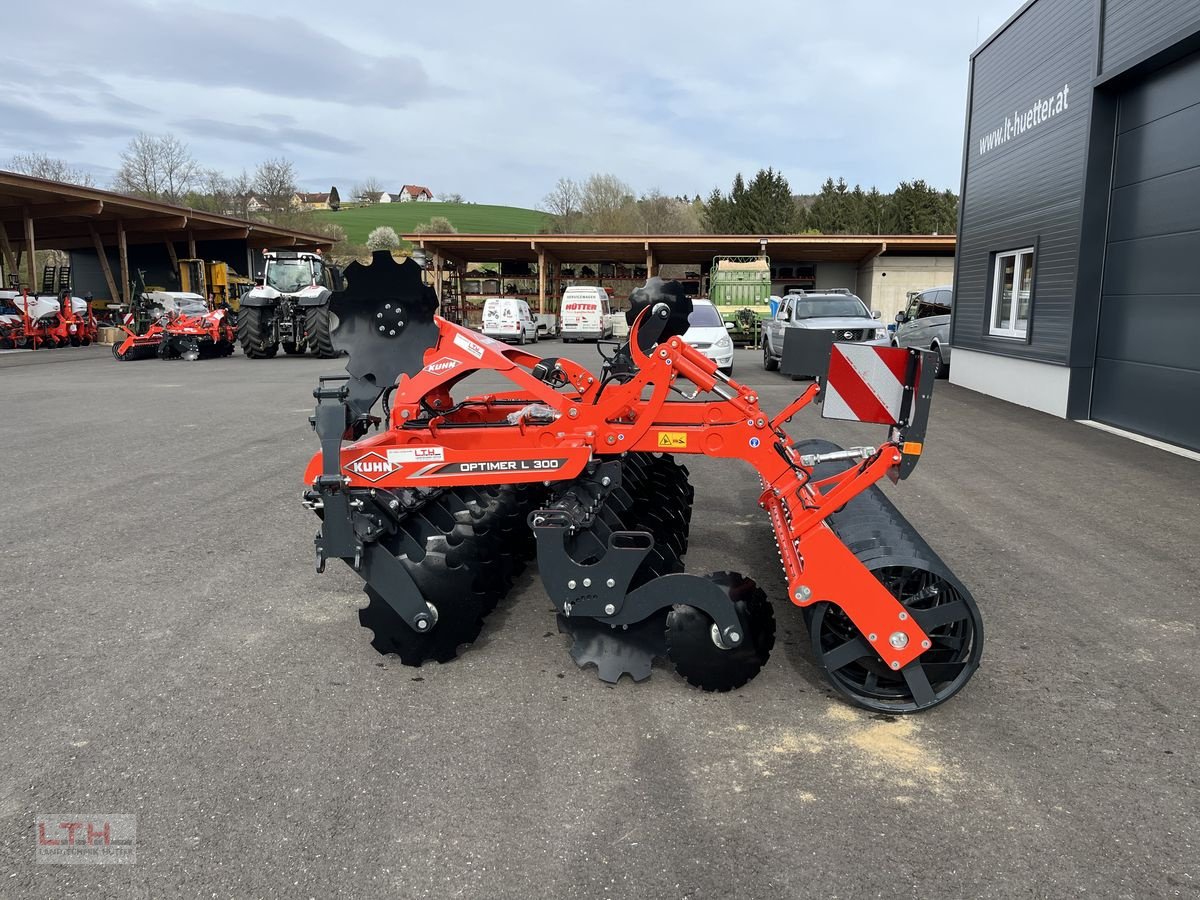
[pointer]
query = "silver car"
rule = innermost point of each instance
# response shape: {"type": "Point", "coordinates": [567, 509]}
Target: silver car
{"type": "Point", "coordinates": [925, 323]}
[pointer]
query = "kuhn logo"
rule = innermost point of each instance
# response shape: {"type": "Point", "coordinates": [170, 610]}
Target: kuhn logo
{"type": "Point", "coordinates": [440, 366]}
{"type": "Point", "coordinates": [370, 467]}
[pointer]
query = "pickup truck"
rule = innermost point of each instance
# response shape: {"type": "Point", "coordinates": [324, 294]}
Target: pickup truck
{"type": "Point", "coordinates": [836, 311]}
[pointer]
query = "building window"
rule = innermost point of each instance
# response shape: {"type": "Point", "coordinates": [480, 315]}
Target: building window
{"type": "Point", "coordinates": [1012, 290]}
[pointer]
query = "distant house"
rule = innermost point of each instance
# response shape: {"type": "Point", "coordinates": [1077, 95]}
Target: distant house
{"type": "Point", "coordinates": [414, 193]}
{"type": "Point", "coordinates": [324, 200]}
{"type": "Point", "coordinates": [253, 204]}
{"type": "Point", "coordinates": [376, 197]}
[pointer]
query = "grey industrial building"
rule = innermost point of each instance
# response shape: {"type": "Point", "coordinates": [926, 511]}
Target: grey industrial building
{"type": "Point", "coordinates": [1077, 286]}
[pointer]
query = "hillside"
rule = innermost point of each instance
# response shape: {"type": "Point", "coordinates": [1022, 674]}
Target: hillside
{"type": "Point", "coordinates": [466, 217]}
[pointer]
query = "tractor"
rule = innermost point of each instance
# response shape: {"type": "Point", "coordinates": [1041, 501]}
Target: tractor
{"type": "Point", "coordinates": [289, 306]}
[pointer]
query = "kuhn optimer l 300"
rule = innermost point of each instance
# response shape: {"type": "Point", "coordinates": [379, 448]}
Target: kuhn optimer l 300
{"type": "Point", "coordinates": [439, 508]}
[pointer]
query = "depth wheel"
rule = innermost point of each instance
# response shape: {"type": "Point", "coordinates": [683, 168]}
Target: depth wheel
{"type": "Point", "coordinates": [693, 643]}
{"type": "Point", "coordinates": [950, 618]}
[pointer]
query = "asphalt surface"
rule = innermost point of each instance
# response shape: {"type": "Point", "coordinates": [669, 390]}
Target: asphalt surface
{"type": "Point", "coordinates": [169, 653]}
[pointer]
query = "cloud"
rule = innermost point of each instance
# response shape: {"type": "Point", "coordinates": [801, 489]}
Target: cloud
{"type": "Point", "coordinates": [498, 101]}
{"type": "Point", "coordinates": [279, 135]}
{"type": "Point", "coordinates": [280, 55]}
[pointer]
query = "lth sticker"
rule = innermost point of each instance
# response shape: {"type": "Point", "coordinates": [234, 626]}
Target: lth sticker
{"type": "Point", "coordinates": [672, 440]}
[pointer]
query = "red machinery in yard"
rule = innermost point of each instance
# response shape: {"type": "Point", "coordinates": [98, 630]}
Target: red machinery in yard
{"type": "Point", "coordinates": [439, 508]}
{"type": "Point", "coordinates": [175, 325]}
{"type": "Point", "coordinates": [34, 321]}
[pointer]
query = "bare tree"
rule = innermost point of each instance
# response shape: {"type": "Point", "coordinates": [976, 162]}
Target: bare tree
{"type": "Point", "coordinates": [563, 203]}
{"type": "Point", "coordinates": [366, 189]}
{"type": "Point", "coordinates": [275, 184]}
{"type": "Point", "coordinates": [608, 206]}
{"type": "Point", "coordinates": [159, 168]}
{"type": "Point", "coordinates": [39, 165]}
{"type": "Point", "coordinates": [452, 198]}
{"type": "Point", "coordinates": [661, 214]}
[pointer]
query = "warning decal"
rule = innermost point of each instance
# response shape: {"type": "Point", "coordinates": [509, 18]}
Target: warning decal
{"type": "Point", "coordinates": [672, 440]}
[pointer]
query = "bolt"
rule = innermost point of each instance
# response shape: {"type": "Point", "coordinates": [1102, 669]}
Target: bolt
{"type": "Point", "coordinates": [620, 437]}
{"type": "Point", "coordinates": [872, 637]}
{"type": "Point", "coordinates": [422, 623]}
{"type": "Point", "coordinates": [903, 616]}
{"type": "Point", "coordinates": [382, 327]}
{"type": "Point", "coordinates": [587, 582]}
{"type": "Point", "coordinates": [404, 413]}
{"type": "Point", "coordinates": [606, 481]}
{"type": "Point", "coordinates": [393, 504]}
{"type": "Point", "coordinates": [610, 439]}
{"type": "Point", "coordinates": [662, 353]}
{"type": "Point", "coordinates": [803, 592]}
{"type": "Point", "coordinates": [611, 582]}
{"type": "Point", "coordinates": [379, 315]}
{"type": "Point", "coordinates": [925, 645]}
{"type": "Point", "coordinates": [895, 664]}
{"type": "Point", "coordinates": [387, 306]}
{"type": "Point", "coordinates": [898, 639]}
{"type": "Point", "coordinates": [762, 422]}
{"type": "Point", "coordinates": [572, 412]}
{"type": "Point", "coordinates": [734, 636]}
{"type": "Point", "coordinates": [609, 610]}
{"type": "Point", "coordinates": [571, 585]}
{"type": "Point", "coordinates": [392, 332]}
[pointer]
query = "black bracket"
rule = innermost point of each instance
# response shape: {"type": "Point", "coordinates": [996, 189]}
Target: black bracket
{"type": "Point", "coordinates": [600, 590]}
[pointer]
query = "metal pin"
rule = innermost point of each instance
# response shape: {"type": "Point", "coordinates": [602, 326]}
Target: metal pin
{"type": "Point", "coordinates": [872, 637]}
{"type": "Point", "coordinates": [609, 609]}
{"type": "Point", "coordinates": [611, 582]}
{"type": "Point", "coordinates": [571, 585]}
{"type": "Point", "coordinates": [587, 582]}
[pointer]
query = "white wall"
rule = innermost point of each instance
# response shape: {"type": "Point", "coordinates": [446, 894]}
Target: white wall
{"type": "Point", "coordinates": [885, 281]}
{"type": "Point", "coordinates": [1022, 381]}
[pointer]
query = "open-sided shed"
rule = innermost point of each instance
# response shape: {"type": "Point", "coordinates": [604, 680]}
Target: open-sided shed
{"type": "Point", "coordinates": [109, 235]}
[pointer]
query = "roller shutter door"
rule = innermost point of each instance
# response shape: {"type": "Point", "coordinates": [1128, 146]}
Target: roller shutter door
{"type": "Point", "coordinates": [1147, 376]}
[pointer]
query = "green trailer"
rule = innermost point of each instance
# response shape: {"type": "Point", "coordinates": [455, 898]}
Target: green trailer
{"type": "Point", "coordinates": [740, 288]}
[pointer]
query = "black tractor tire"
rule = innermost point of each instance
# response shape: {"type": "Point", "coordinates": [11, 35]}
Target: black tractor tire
{"type": "Point", "coordinates": [254, 331]}
{"type": "Point", "coordinates": [318, 327]}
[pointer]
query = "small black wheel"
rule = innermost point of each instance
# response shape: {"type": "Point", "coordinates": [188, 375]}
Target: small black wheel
{"type": "Point", "coordinates": [694, 644]}
{"type": "Point", "coordinates": [950, 618]}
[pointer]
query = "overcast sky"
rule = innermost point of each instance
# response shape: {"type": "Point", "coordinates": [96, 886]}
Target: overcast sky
{"type": "Point", "coordinates": [496, 101]}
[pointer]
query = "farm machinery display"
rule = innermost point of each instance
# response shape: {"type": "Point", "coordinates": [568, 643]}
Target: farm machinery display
{"type": "Point", "coordinates": [290, 307]}
{"type": "Point", "coordinates": [175, 325]}
{"type": "Point", "coordinates": [33, 321]}
{"type": "Point", "coordinates": [438, 499]}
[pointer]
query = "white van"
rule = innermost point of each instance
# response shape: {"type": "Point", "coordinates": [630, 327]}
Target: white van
{"type": "Point", "coordinates": [508, 319]}
{"type": "Point", "coordinates": [583, 315]}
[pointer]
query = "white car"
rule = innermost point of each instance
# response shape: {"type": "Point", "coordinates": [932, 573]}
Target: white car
{"type": "Point", "coordinates": [708, 334]}
{"type": "Point", "coordinates": [509, 319]}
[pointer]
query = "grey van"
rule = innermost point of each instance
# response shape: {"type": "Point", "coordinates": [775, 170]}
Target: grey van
{"type": "Point", "coordinates": [925, 323]}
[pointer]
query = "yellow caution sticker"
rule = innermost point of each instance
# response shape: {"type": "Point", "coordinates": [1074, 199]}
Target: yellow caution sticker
{"type": "Point", "coordinates": [672, 440]}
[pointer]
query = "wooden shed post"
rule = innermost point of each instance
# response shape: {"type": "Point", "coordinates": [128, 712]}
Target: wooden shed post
{"type": "Point", "coordinates": [123, 256]}
{"type": "Point", "coordinates": [30, 250]}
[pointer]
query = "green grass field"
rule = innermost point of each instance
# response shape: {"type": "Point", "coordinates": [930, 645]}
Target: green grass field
{"type": "Point", "coordinates": [466, 217]}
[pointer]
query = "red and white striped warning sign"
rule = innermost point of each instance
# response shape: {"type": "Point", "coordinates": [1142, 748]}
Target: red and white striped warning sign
{"type": "Point", "coordinates": [866, 383]}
